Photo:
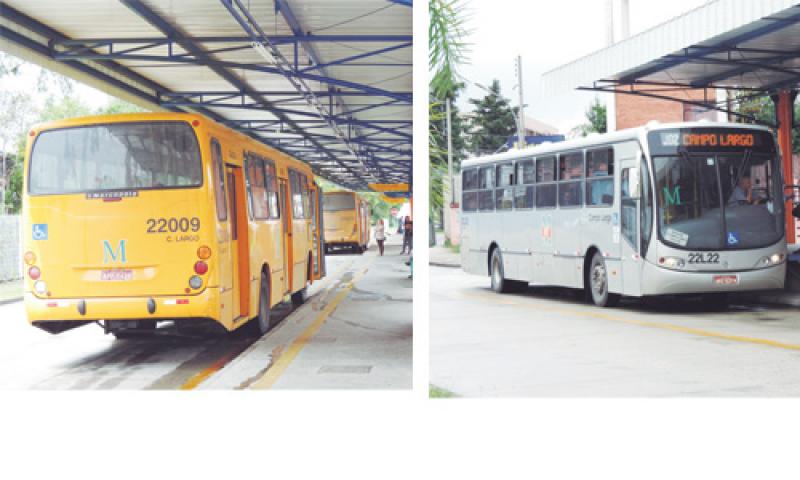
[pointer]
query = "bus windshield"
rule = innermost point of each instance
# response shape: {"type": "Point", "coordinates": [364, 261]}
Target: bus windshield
{"type": "Point", "coordinates": [718, 200]}
{"type": "Point", "coordinates": [115, 157]}
{"type": "Point", "coordinates": [336, 203]}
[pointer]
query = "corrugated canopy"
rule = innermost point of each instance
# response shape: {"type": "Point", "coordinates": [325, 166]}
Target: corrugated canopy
{"type": "Point", "coordinates": [327, 82]}
{"type": "Point", "coordinates": [728, 44]}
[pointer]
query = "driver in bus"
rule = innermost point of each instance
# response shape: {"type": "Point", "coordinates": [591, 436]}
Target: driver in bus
{"type": "Point", "coordinates": [743, 193]}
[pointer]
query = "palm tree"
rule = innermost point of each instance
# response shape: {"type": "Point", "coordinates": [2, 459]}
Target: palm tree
{"type": "Point", "coordinates": [447, 50]}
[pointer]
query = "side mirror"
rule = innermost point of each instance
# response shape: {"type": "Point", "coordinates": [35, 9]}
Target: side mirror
{"type": "Point", "coordinates": [634, 187]}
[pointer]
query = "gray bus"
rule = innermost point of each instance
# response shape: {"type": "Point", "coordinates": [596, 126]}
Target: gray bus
{"type": "Point", "coordinates": [683, 208]}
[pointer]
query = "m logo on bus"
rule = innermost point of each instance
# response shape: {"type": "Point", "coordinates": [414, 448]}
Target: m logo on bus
{"type": "Point", "coordinates": [673, 198]}
{"type": "Point", "coordinates": [113, 255]}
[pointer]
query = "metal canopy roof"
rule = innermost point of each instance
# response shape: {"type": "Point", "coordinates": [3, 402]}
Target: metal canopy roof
{"type": "Point", "coordinates": [725, 44]}
{"type": "Point", "coordinates": [327, 82]}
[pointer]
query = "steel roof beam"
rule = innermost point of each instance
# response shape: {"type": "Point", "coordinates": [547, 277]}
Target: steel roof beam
{"type": "Point", "coordinates": [168, 30]}
{"type": "Point", "coordinates": [667, 62]}
{"type": "Point", "coordinates": [220, 64]}
{"type": "Point", "coordinates": [276, 39]}
{"type": "Point", "coordinates": [349, 60]}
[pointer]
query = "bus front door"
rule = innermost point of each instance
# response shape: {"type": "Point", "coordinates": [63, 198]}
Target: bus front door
{"type": "Point", "coordinates": [631, 261]}
{"type": "Point", "coordinates": [288, 260]}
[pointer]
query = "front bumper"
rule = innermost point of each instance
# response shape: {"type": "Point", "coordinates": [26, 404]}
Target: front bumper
{"type": "Point", "coordinates": [661, 281]}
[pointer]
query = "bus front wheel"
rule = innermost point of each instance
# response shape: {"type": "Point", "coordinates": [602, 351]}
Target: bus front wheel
{"type": "Point", "coordinates": [597, 283]}
{"type": "Point", "coordinates": [499, 282]}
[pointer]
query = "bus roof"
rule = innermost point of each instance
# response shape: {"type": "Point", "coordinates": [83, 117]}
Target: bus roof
{"type": "Point", "coordinates": [637, 133]}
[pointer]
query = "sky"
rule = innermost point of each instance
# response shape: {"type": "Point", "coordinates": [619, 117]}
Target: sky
{"type": "Point", "coordinates": [27, 81]}
{"type": "Point", "coordinates": [547, 34]}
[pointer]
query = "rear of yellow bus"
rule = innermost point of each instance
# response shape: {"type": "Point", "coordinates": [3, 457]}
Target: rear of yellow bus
{"type": "Point", "coordinates": [341, 221]}
{"type": "Point", "coordinates": [118, 223]}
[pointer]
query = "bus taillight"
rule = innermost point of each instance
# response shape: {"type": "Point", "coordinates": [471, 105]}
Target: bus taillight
{"type": "Point", "coordinates": [200, 268]}
{"type": "Point", "coordinates": [34, 273]}
{"type": "Point", "coordinates": [30, 258]}
{"type": "Point", "coordinates": [204, 253]}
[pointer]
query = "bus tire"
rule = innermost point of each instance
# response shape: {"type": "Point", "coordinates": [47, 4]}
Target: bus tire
{"type": "Point", "coordinates": [299, 297]}
{"type": "Point", "coordinates": [499, 282]}
{"type": "Point", "coordinates": [597, 283]}
{"type": "Point", "coordinates": [263, 321]}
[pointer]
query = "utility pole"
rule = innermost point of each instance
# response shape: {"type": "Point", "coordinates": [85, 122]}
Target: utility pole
{"type": "Point", "coordinates": [450, 194]}
{"type": "Point", "coordinates": [521, 112]}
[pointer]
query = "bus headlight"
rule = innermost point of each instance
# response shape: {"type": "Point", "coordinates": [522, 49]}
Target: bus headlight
{"type": "Point", "coordinates": [195, 282]}
{"type": "Point", "coordinates": [40, 287]}
{"type": "Point", "coordinates": [672, 262]}
{"type": "Point", "coordinates": [776, 258]}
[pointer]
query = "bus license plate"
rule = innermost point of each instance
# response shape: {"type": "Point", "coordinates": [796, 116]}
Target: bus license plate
{"type": "Point", "coordinates": [116, 275]}
{"type": "Point", "coordinates": [726, 279]}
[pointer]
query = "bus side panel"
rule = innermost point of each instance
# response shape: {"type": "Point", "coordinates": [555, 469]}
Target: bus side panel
{"type": "Point", "coordinates": [543, 246]}
{"type": "Point", "coordinates": [506, 227]}
{"type": "Point", "coordinates": [471, 259]}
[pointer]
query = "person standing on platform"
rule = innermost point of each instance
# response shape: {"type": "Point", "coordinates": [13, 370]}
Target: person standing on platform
{"type": "Point", "coordinates": [408, 228]}
{"type": "Point", "coordinates": [380, 235]}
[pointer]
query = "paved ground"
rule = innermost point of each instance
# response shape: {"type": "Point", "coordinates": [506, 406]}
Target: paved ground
{"type": "Point", "coordinates": [354, 332]}
{"type": "Point", "coordinates": [547, 343]}
{"type": "Point", "coordinates": [10, 291]}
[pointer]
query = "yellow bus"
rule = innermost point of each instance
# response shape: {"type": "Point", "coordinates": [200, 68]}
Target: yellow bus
{"type": "Point", "coordinates": [139, 218]}
{"type": "Point", "coordinates": [346, 221]}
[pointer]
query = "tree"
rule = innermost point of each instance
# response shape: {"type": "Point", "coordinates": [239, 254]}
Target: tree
{"type": "Point", "coordinates": [447, 49]}
{"type": "Point", "coordinates": [762, 110]}
{"type": "Point", "coordinates": [116, 106]}
{"type": "Point", "coordinates": [493, 121]}
{"type": "Point", "coordinates": [596, 120]}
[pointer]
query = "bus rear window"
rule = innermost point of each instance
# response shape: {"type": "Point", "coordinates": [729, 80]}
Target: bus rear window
{"type": "Point", "coordinates": [113, 157]}
{"type": "Point", "coordinates": [336, 203]}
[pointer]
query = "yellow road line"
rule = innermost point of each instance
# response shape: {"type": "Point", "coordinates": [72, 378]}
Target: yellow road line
{"type": "Point", "coordinates": [661, 325]}
{"type": "Point", "coordinates": [282, 363]}
{"type": "Point", "coordinates": [203, 375]}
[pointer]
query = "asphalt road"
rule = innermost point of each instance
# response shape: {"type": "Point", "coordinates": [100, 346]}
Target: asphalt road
{"type": "Point", "coordinates": [549, 343]}
{"type": "Point", "coordinates": [335, 340]}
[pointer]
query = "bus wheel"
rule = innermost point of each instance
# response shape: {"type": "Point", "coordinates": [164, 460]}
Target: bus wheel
{"type": "Point", "coordinates": [598, 283]}
{"type": "Point", "coordinates": [263, 321]}
{"type": "Point", "coordinates": [299, 297]}
{"type": "Point", "coordinates": [499, 282]}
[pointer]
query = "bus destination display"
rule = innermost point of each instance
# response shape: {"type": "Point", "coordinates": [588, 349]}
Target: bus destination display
{"type": "Point", "coordinates": [665, 142]}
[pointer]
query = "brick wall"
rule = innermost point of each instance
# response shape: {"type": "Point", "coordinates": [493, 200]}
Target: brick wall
{"type": "Point", "coordinates": [635, 111]}
{"type": "Point", "coordinates": [10, 259]}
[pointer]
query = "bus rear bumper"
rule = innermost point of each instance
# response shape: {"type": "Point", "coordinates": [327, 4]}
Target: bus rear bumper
{"type": "Point", "coordinates": [662, 281]}
{"type": "Point", "coordinates": [202, 305]}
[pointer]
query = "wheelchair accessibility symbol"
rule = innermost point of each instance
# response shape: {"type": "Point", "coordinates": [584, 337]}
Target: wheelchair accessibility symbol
{"type": "Point", "coordinates": [40, 231]}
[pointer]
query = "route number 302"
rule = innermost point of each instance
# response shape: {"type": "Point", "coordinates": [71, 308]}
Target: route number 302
{"type": "Point", "coordinates": [173, 225]}
{"type": "Point", "coordinates": [700, 257]}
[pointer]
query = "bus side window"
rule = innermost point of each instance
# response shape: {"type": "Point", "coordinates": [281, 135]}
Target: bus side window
{"type": "Point", "coordinates": [504, 194]}
{"type": "Point", "coordinates": [469, 187]}
{"type": "Point", "coordinates": [628, 210]}
{"type": "Point", "coordinates": [570, 179]}
{"type": "Point", "coordinates": [256, 191]}
{"type": "Point", "coordinates": [600, 177]}
{"type": "Point", "coordinates": [219, 180]}
{"type": "Point", "coordinates": [271, 182]}
{"type": "Point", "coordinates": [486, 195]}
{"type": "Point", "coordinates": [545, 182]}
{"type": "Point", "coordinates": [524, 191]}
